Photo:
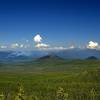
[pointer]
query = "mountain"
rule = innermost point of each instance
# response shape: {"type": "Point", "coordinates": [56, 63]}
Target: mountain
{"type": "Point", "coordinates": [19, 56]}
{"type": "Point", "coordinates": [78, 53]}
{"type": "Point", "coordinates": [15, 56]}
{"type": "Point", "coordinates": [92, 58]}
{"type": "Point", "coordinates": [50, 58]}
{"type": "Point", "coordinates": [12, 56]}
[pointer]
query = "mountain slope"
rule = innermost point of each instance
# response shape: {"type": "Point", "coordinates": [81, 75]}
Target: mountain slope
{"type": "Point", "coordinates": [14, 56]}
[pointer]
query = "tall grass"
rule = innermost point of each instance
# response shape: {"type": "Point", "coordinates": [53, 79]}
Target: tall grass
{"type": "Point", "coordinates": [60, 94]}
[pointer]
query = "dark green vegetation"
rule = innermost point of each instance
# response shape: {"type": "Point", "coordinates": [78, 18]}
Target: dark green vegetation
{"type": "Point", "coordinates": [92, 58]}
{"type": "Point", "coordinates": [51, 79]}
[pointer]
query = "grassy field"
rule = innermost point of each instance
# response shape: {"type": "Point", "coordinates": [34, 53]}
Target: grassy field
{"type": "Point", "coordinates": [51, 80]}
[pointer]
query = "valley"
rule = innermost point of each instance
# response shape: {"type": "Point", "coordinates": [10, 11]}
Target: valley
{"type": "Point", "coordinates": [42, 78]}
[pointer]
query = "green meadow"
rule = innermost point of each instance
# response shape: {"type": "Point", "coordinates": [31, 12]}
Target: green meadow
{"type": "Point", "coordinates": [50, 79]}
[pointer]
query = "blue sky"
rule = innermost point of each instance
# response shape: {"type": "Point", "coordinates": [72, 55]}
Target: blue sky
{"type": "Point", "coordinates": [60, 22]}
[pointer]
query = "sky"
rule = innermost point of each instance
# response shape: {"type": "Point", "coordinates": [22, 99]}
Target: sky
{"type": "Point", "coordinates": [59, 23]}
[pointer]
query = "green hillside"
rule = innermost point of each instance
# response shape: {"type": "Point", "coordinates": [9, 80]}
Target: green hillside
{"type": "Point", "coordinates": [51, 78]}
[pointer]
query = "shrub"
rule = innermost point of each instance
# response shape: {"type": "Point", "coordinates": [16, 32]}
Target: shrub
{"type": "Point", "coordinates": [61, 95]}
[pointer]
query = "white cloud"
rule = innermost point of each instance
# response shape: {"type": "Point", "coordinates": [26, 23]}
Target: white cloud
{"type": "Point", "coordinates": [93, 45]}
{"type": "Point", "coordinates": [37, 38]}
{"type": "Point", "coordinates": [38, 42]}
{"type": "Point", "coordinates": [3, 47]}
{"type": "Point", "coordinates": [71, 47]}
{"type": "Point", "coordinates": [41, 45]}
{"type": "Point", "coordinates": [21, 45]}
{"type": "Point", "coordinates": [58, 48]}
{"type": "Point", "coordinates": [54, 48]}
{"type": "Point", "coordinates": [15, 45]}
{"type": "Point", "coordinates": [27, 46]}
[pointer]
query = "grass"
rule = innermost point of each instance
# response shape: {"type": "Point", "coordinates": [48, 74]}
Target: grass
{"type": "Point", "coordinates": [67, 80]}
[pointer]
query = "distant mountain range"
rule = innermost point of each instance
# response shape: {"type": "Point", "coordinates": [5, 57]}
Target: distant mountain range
{"type": "Point", "coordinates": [52, 58]}
{"type": "Point", "coordinates": [79, 53]}
{"type": "Point", "coordinates": [12, 56]}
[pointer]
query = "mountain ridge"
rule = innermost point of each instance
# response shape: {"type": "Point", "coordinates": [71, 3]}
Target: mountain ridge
{"type": "Point", "coordinates": [65, 54]}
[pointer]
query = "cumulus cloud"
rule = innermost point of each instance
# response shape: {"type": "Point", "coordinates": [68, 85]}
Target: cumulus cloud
{"type": "Point", "coordinates": [93, 45]}
{"type": "Point", "coordinates": [15, 45]}
{"type": "Point", "coordinates": [3, 47]}
{"type": "Point", "coordinates": [54, 48]}
{"type": "Point", "coordinates": [37, 39]}
{"type": "Point", "coordinates": [71, 47]}
{"type": "Point", "coordinates": [21, 45]}
{"type": "Point", "coordinates": [59, 48]}
{"type": "Point", "coordinates": [27, 46]}
{"type": "Point", "coordinates": [38, 42]}
{"type": "Point", "coordinates": [41, 45]}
